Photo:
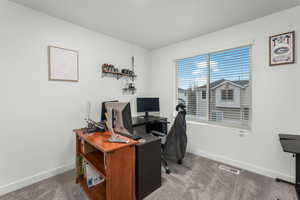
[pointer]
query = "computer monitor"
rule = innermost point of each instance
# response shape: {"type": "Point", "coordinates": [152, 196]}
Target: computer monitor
{"type": "Point", "coordinates": [103, 109]}
{"type": "Point", "coordinates": [147, 105]}
{"type": "Point", "coordinates": [120, 117]}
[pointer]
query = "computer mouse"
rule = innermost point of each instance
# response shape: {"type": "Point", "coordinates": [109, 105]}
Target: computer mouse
{"type": "Point", "coordinates": [142, 140]}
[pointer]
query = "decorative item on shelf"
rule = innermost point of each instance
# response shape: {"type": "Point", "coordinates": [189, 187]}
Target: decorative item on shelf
{"type": "Point", "coordinates": [108, 68]}
{"type": "Point", "coordinates": [112, 71]}
{"type": "Point", "coordinates": [127, 72]}
{"type": "Point", "coordinates": [282, 49]}
{"type": "Point", "coordinates": [130, 87]}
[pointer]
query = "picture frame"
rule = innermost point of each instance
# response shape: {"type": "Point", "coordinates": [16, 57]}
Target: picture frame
{"type": "Point", "coordinates": [63, 64]}
{"type": "Point", "coordinates": [282, 49]}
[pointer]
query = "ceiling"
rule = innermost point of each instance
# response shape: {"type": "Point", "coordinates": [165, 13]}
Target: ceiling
{"type": "Point", "coordinates": [157, 23]}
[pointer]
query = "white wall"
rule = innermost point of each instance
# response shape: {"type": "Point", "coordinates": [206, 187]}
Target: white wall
{"type": "Point", "coordinates": [37, 115]}
{"type": "Point", "coordinates": [275, 97]}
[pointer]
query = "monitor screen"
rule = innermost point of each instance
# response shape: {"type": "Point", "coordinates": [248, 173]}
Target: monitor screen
{"type": "Point", "coordinates": [147, 104]}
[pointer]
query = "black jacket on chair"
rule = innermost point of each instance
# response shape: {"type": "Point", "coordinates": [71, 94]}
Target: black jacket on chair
{"type": "Point", "coordinates": [176, 142]}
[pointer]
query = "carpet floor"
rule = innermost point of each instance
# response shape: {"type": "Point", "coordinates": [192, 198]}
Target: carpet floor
{"type": "Point", "coordinates": [197, 178]}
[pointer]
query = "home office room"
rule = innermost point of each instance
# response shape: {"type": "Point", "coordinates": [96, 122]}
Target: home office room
{"type": "Point", "coordinates": [147, 99]}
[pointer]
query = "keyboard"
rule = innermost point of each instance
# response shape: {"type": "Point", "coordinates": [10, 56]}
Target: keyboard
{"type": "Point", "coordinates": [133, 137]}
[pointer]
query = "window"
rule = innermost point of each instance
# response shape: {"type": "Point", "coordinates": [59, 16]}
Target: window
{"type": "Point", "coordinates": [227, 95]}
{"type": "Point", "coordinates": [203, 95]}
{"type": "Point", "coordinates": [222, 79]}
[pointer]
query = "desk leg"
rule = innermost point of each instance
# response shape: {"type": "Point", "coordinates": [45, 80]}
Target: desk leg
{"type": "Point", "coordinates": [297, 185]}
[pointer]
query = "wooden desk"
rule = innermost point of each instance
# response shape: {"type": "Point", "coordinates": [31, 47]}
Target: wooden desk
{"type": "Point", "coordinates": [114, 161]}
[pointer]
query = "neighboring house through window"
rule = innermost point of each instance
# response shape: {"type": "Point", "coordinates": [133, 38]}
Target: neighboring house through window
{"type": "Point", "coordinates": [216, 87]}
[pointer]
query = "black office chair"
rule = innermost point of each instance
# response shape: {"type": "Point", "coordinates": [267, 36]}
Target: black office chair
{"type": "Point", "coordinates": [174, 143]}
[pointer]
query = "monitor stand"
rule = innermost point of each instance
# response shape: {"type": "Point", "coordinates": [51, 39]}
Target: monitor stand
{"type": "Point", "coordinates": [146, 115]}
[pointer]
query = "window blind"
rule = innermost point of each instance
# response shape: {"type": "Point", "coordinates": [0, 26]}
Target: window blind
{"type": "Point", "coordinates": [216, 87]}
{"type": "Point", "coordinates": [192, 74]}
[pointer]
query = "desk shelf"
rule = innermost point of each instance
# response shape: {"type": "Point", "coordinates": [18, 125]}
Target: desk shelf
{"type": "Point", "coordinates": [96, 160]}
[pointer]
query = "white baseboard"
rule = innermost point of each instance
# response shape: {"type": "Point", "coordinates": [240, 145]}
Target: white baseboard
{"type": "Point", "coordinates": [243, 165]}
{"type": "Point", "coordinates": [34, 179]}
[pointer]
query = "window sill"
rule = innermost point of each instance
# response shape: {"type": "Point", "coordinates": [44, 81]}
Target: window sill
{"type": "Point", "coordinates": [241, 131]}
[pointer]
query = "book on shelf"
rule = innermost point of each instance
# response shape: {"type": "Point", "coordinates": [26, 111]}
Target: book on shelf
{"type": "Point", "coordinates": [92, 176]}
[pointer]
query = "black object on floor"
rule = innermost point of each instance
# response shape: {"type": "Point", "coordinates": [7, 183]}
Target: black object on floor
{"type": "Point", "coordinates": [291, 144]}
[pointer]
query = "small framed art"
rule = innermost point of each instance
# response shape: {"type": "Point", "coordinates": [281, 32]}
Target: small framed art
{"type": "Point", "coordinates": [282, 49]}
{"type": "Point", "coordinates": [63, 64]}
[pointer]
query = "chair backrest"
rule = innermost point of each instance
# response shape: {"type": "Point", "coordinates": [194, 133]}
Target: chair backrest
{"type": "Point", "coordinates": [176, 141]}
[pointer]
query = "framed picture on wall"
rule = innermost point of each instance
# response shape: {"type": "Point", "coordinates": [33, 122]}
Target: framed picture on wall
{"type": "Point", "coordinates": [282, 49]}
{"type": "Point", "coordinates": [63, 64]}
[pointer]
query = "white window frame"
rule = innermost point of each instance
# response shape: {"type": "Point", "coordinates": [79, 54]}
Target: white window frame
{"type": "Point", "coordinates": [207, 121]}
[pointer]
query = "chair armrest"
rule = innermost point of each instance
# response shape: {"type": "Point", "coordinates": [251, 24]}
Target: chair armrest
{"type": "Point", "coordinates": [163, 122]}
{"type": "Point", "coordinates": [157, 133]}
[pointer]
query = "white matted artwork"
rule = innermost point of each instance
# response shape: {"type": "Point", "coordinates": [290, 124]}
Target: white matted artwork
{"type": "Point", "coordinates": [63, 64]}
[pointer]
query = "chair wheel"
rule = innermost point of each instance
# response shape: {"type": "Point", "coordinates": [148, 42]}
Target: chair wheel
{"type": "Point", "coordinates": [179, 162]}
{"type": "Point", "coordinates": [168, 171]}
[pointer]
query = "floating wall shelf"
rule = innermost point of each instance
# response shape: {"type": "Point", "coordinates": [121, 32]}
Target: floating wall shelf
{"type": "Point", "coordinates": [118, 75]}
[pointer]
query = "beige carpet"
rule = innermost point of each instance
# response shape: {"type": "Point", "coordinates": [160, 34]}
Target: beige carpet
{"type": "Point", "coordinates": [197, 179]}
